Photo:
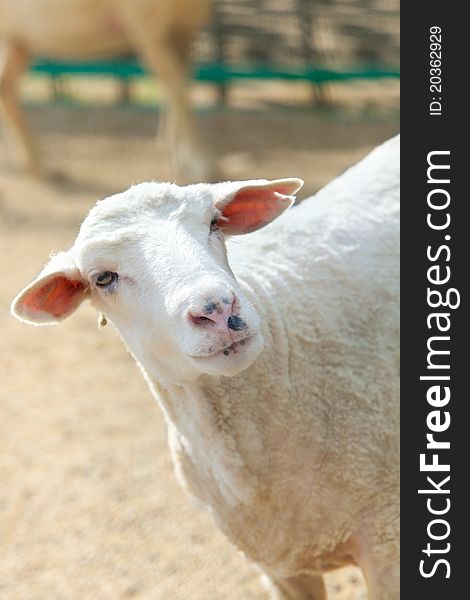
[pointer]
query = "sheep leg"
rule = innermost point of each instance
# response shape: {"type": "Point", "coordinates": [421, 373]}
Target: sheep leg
{"type": "Point", "coordinates": [301, 587]}
{"type": "Point", "coordinates": [188, 156]}
{"type": "Point", "coordinates": [13, 63]}
{"type": "Point", "coordinates": [167, 54]}
{"type": "Point", "coordinates": [176, 127]}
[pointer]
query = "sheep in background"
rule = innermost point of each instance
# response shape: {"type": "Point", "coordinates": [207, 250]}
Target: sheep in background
{"type": "Point", "coordinates": [160, 31]}
{"type": "Point", "coordinates": [277, 375]}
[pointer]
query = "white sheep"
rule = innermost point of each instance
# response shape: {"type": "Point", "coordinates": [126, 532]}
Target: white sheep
{"type": "Point", "coordinates": [160, 31]}
{"type": "Point", "coordinates": [278, 375]}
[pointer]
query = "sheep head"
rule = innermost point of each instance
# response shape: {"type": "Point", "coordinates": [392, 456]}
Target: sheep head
{"type": "Point", "coordinates": [153, 259]}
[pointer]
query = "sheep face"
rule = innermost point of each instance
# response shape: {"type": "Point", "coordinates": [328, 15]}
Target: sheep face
{"type": "Point", "coordinates": [153, 259]}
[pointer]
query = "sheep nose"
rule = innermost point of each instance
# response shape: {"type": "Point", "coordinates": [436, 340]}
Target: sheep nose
{"type": "Point", "coordinates": [217, 314]}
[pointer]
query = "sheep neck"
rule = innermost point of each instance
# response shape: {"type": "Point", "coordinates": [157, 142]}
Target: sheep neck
{"type": "Point", "coordinates": [204, 444]}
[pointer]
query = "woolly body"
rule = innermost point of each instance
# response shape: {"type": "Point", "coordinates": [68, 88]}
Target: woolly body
{"type": "Point", "coordinates": [307, 438]}
{"type": "Point", "coordinates": [296, 452]}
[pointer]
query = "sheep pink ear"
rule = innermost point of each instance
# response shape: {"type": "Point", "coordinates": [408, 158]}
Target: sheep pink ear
{"type": "Point", "coordinates": [54, 295]}
{"type": "Point", "coordinates": [254, 204]}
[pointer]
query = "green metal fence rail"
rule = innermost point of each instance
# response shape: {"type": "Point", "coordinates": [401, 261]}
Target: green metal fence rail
{"type": "Point", "coordinates": [319, 41]}
{"type": "Point", "coordinates": [216, 73]}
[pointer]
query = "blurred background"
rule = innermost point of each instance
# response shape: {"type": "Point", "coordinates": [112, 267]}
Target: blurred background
{"type": "Point", "coordinates": [89, 506]}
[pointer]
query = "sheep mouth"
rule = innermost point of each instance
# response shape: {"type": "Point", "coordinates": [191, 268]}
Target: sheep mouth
{"type": "Point", "coordinates": [233, 348]}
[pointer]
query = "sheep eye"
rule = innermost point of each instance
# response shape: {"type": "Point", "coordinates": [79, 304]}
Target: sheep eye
{"type": "Point", "coordinates": [106, 278]}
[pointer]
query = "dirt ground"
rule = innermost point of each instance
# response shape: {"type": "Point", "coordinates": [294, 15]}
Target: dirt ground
{"type": "Point", "coordinates": [89, 506]}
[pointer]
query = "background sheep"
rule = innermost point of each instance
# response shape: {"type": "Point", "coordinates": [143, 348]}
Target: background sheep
{"type": "Point", "coordinates": [160, 31]}
{"type": "Point", "coordinates": [297, 456]}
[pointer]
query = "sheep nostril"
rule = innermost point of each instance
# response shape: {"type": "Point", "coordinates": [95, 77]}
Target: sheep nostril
{"type": "Point", "coordinates": [201, 320]}
{"type": "Point", "coordinates": [236, 323]}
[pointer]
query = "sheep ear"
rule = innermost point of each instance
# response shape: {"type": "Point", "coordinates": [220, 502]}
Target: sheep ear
{"type": "Point", "coordinates": [53, 295]}
{"type": "Point", "coordinates": [249, 205]}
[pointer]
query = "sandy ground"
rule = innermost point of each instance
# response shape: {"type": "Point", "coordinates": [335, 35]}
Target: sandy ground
{"type": "Point", "coordinates": [89, 506]}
